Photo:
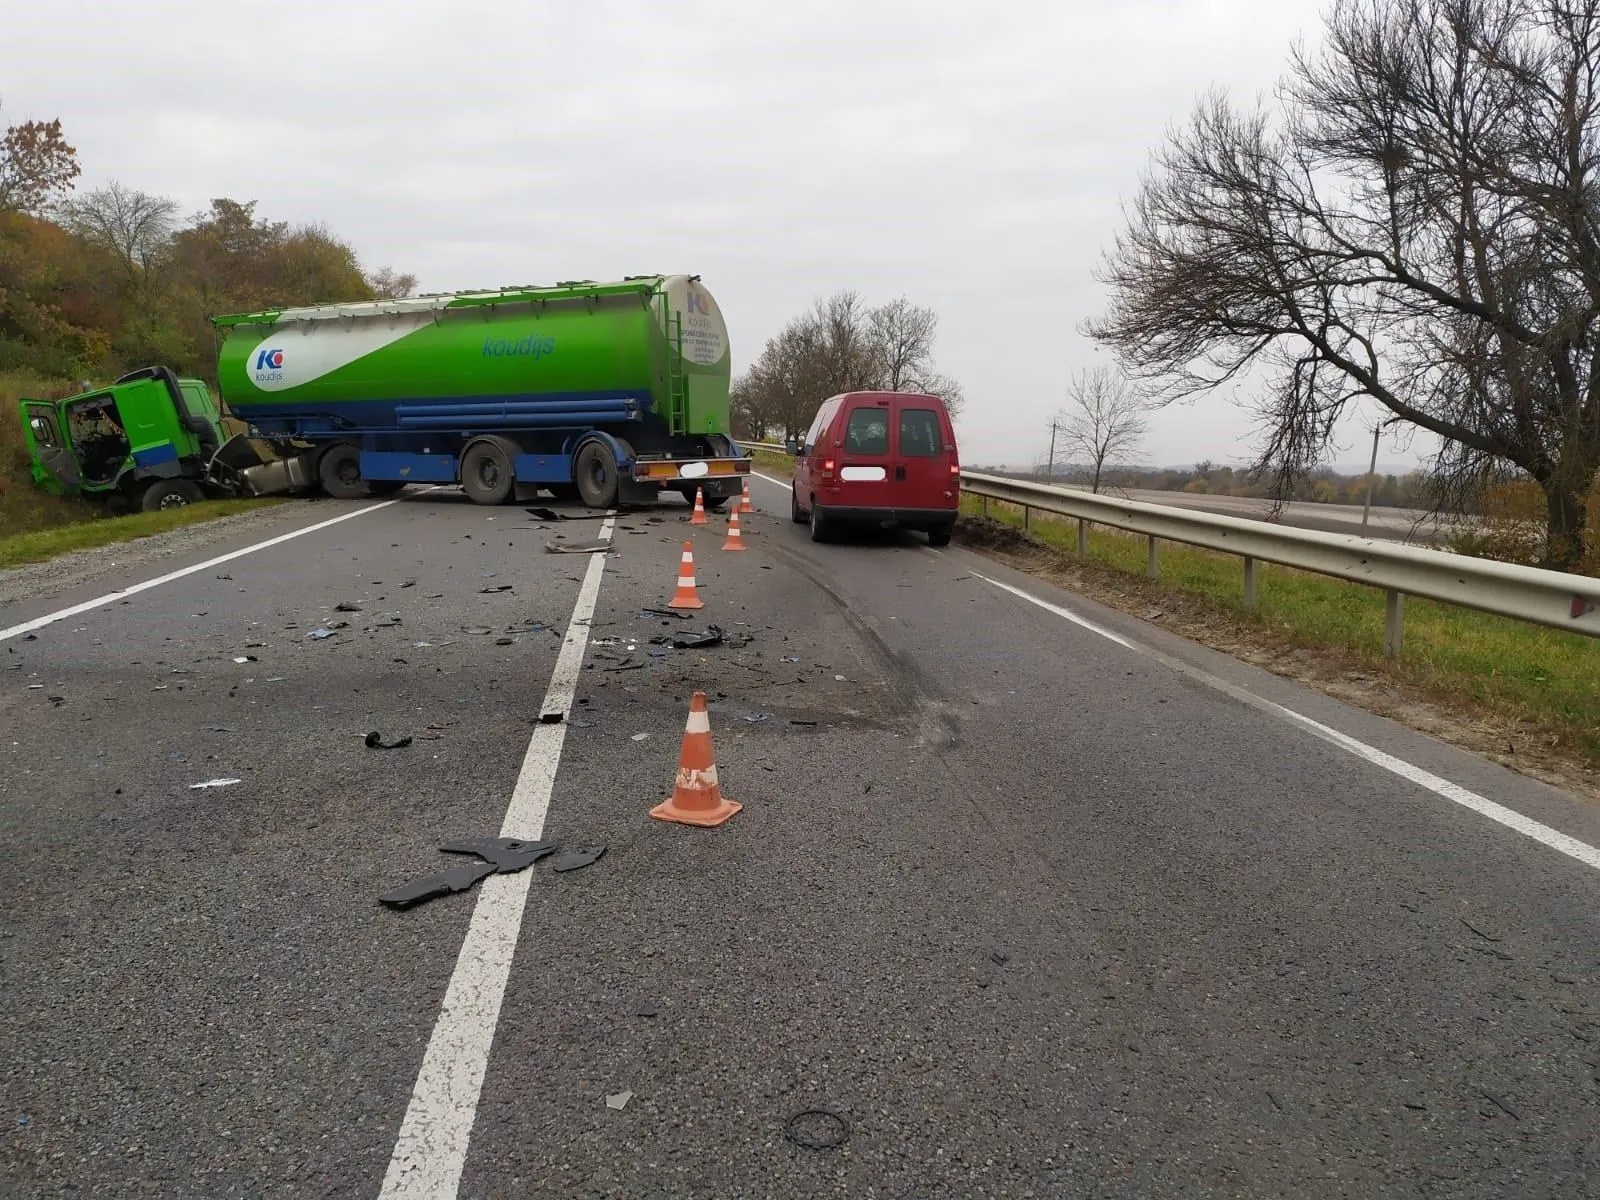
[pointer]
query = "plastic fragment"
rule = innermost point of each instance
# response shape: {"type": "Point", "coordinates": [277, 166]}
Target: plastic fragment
{"type": "Point", "coordinates": [578, 548]}
{"type": "Point", "coordinates": [699, 641]}
{"type": "Point", "coordinates": [507, 854]}
{"type": "Point", "coordinates": [458, 879]}
{"type": "Point", "coordinates": [347, 606]}
{"type": "Point", "coordinates": [619, 1101]}
{"type": "Point", "coordinates": [577, 858]}
{"type": "Point", "coordinates": [499, 587]}
{"type": "Point", "coordinates": [214, 783]}
{"type": "Point", "coordinates": [374, 741]}
{"type": "Point", "coordinates": [545, 514]}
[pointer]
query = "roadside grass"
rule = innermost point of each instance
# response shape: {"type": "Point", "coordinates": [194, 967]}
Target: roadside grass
{"type": "Point", "coordinates": [1528, 673]}
{"type": "Point", "coordinates": [41, 544]}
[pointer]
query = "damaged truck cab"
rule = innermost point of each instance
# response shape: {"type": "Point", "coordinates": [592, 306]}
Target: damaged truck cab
{"type": "Point", "coordinates": [149, 441]}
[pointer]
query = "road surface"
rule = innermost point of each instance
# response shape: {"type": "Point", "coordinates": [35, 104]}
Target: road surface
{"type": "Point", "coordinates": [1039, 900]}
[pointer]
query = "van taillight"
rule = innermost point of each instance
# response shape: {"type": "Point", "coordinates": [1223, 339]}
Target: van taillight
{"type": "Point", "coordinates": [955, 469]}
{"type": "Point", "coordinates": [827, 464]}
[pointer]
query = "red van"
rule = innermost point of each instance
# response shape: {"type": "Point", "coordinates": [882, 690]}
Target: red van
{"type": "Point", "coordinates": [879, 458]}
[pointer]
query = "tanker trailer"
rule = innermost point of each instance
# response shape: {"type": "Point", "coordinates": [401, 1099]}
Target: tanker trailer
{"type": "Point", "coordinates": [599, 392]}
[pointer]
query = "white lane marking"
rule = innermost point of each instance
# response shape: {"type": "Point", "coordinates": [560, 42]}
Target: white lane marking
{"type": "Point", "coordinates": [1453, 792]}
{"type": "Point", "coordinates": [113, 597]}
{"type": "Point", "coordinates": [788, 487]}
{"type": "Point", "coordinates": [431, 1151]}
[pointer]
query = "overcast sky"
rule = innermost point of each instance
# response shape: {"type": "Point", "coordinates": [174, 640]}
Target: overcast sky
{"type": "Point", "coordinates": [970, 157]}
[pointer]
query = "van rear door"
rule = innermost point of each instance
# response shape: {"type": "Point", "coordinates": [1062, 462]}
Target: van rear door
{"type": "Point", "coordinates": [924, 454]}
{"type": "Point", "coordinates": [865, 455]}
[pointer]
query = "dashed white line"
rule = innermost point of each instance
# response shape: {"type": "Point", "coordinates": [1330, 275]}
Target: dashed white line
{"type": "Point", "coordinates": [135, 589]}
{"type": "Point", "coordinates": [1455, 793]}
{"type": "Point", "coordinates": [431, 1151]}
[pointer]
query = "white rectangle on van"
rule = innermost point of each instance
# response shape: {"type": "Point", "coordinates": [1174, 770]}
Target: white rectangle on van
{"type": "Point", "coordinates": [863, 474]}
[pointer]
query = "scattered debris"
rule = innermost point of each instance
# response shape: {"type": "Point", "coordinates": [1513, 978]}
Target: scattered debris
{"type": "Point", "coordinates": [757, 718]}
{"type": "Point", "coordinates": [791, 658]}
{"type": "Point", "coordinates": [505, 641]}
{"type": "Point", "coordinates": [647, 1009]}
{"type": "Point", "coordinates": [576, 859]}
{"type": "Point", "coordinates": [220, 729]}
{"type": "Point", "coordinates": [1499, 1103]}
{"type": "Point", "coordinates": [699, 641]}
{"type": "Point", "coordinates": [214, 783]}
{"type": "Point", "coordinates": [499, 587]}
{"type": "Point", "coordinates": [639, 737]}
{"type": "Point", "coordinates": [347, 606]}
{"type": "Point", "coordinates": [409, 583]}
{"type": "Point", "coordinates": [552, 718]}
{"type": "Point", "coordinates": [245, 658]}
{"type": "Point", "coordinates": [374, 741]}
{"type": "Point", "coordinates": [387, 623]}
{"type": "Point", "coordinates": [56, 701]}
{"type": "Point", "coordinates": [817, 1129]}
{"type": "Point", "coordinates": [619, 1101]}
{"type": "Point", "coordinates": [797, 722]}
{"type": "Point", "coordinates": [840, 679]}
{"type": "Point", "coordinates": [476, 630]}
{"type": "Point", "coordinates": [628, 664]}
{"type": "Point", "coordinates": [545, 514]}
{"type": "Point", "coordinates": [665, 612]}
{"type": "Point", "coordinates": [319, 635]}
{"type": "Point", "coordinates": [507, 854]}
{"type": "Point", "coordinates": [458, 879]}
{"type": "Point", "coordinates": [578, 548]}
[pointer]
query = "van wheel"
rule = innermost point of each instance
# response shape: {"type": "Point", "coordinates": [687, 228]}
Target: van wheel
{"type": "Point", "coordinates": [167, 494]}
{"type": "Point", "coordinates": [339, 472]}
{"type": "Point", "coordinates": [821, 527]}
{"type": "Point", "coordinates": [938, 537]}
{"type": "Point", "coordinates": [596, 475]}
{"type": "Point", "coordinates": [487, 476]}
{"type": "Point", "coordinates": [795, 515]}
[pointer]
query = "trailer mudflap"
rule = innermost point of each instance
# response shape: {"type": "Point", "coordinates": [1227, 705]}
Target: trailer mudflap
{"type": "Point", "coordinates": [688, 470]}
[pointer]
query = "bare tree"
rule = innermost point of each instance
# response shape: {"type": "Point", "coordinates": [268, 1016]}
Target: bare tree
{"type": "Point", "coordinates": [1418, 222]}
{"type": "Point", "coordinates": [133, 226]}
{"type": "Point", "coordinates": [1104, 423]}
{"type": "Point", "coordinates": [37, 166]}
{"type": "Point", "coordinates": [386, 285]}
{"type": "Point", "coordinates": [840, 345]}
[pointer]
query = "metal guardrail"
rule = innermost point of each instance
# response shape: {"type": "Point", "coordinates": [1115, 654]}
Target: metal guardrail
{"type": "Point", "coordinates": [1552, 598]}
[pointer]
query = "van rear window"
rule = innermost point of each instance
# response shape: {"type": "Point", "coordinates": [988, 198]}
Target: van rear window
{"type": "Point", "coordinates": [920, 435]}
{"type": "Point", "coordinates": [868, 432]}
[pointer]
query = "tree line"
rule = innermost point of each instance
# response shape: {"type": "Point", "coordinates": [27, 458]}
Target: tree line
{"type": "Point", "coordinates": [838, 345]}
{"type": "Point", "coordinates": [109, 279]}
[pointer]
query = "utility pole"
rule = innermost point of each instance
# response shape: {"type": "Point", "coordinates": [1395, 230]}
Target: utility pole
{"type": "Point", "coordinates": [1372, 467]}
{"type": "Point", "coordinates": [1050, 470]}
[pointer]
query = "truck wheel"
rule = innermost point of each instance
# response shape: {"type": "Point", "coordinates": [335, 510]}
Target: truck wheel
{"type": "Point", "coordinates": [170, 493]}
{"type": "Point", "coordinates": [340, 473]}
{"type": "Point", "coordinates": [487, 476]}
{"type": "Point", "coordinates": [386, 487]}
{"type": "Point", "coordinates": [596, 471]}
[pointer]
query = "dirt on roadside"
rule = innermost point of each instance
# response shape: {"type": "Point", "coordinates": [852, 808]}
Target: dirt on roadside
{"type": "Point", "coordinates": [1532, 749]}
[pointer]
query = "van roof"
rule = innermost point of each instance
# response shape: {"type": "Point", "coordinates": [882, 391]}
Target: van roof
{"type": "Point", "coordinates": [888, 395]}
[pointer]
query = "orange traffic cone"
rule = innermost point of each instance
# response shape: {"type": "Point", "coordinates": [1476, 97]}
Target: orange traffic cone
{"type": "Point", "coordinates": [685, 596]}
{"type": "Point", "coordinates": [699, 517]}
{"type": "Point", "coordinates": [735, 538]}
{"type": "Point", "coordinates": [697, 798]}
{"type": "Point", "coordinates": [744, 501]}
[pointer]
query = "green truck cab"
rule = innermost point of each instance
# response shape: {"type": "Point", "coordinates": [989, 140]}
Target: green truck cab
{"type": "Point", "coordinates": [146, 440]}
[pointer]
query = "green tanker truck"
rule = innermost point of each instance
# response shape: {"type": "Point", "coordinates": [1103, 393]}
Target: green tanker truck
{"type": "Point", "coordinates": [596, 392]}
{"type": "Point", "coordinates": [599, 392]}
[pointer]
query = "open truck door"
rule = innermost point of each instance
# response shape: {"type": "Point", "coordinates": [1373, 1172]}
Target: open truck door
{"type": "Point", "coordinates": [55, 467]}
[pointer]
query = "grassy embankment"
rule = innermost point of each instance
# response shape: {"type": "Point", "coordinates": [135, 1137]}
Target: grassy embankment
{"type": "Point", "coordinates": [1542, 680]}
{"type": "Point", "coordinates": [35, 525]}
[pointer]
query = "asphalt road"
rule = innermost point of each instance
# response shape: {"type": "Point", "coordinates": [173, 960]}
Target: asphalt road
{"type": "Point", "coordinates": [1039, 906]}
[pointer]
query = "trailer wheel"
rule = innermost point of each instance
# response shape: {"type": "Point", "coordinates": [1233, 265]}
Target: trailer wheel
{"type": "Point", "coordinates": [170, 493]}
{"type": "Point", "coordinates": [487, 476]}
{"type": "Point", "coordinates": [596, 471]}
{"type": "Point", "coordinates": [339, 472]}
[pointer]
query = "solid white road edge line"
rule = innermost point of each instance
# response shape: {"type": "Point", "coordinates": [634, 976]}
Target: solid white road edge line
{"type": "Point", "coordinates": [431, 1151]}
{"type": "Point", "coordinates": [135, 589]}
{"type": "Point", "coordinates": [788, 487]}
{"type": "Point", "coordinates": [1455, 793]}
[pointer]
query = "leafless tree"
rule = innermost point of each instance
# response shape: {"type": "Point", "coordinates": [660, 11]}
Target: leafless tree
{"type": "Point", "coordinates": [387, 285]}
{"type": "Point", "coordinates": [1103, 424]}
{"type": "Point", "coordinates": [37, 166]}
{"type": "Point", "coordinates": [839, 345]}
{"type": "Point", "coordinates": [134, 226]}
{"type": "Point", "coordinates": [1417, 221]}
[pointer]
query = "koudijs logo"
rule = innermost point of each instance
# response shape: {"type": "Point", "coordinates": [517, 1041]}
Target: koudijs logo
{"type": "Point", "coordinates": [269, 366]}
{"type": "Point", "coordinates": [528, 347]}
